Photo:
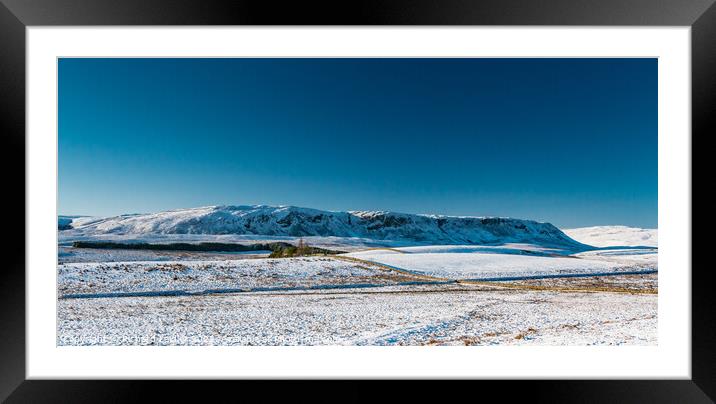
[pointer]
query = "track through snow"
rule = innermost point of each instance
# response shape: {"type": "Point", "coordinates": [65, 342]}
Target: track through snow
{"type": "Point", "coordinates": [162, 293]}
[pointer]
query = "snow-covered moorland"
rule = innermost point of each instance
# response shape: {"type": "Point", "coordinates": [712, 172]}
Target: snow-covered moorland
{"type": "Point", "coordinates": [407, 279]}
{"type": "Point", "coordinates": [178, 277]}
{"type": "Point", "coordinates": [391, 315]}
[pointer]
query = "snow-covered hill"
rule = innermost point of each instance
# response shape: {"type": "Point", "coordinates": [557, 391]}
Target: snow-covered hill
{"type": "Point", "coordinates": [610, 236]}
{"type": "Point", "coordinates": [303, 222]}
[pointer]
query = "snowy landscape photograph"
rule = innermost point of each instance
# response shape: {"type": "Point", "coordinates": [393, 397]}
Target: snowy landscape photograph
{"type": "Point", "coordinates": [357, 201]}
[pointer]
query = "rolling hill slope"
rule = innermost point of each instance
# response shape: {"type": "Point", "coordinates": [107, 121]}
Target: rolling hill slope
{"type": "Point", "coordinates": [304, 222]}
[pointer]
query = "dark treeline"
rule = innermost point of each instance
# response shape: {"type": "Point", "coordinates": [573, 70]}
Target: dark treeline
{"type": "Point", "coordinates": [278, 249]}
{"type": "Point", "coordinates": [301, 250]}
{"type": "Point", "coordinates": [225, 247]}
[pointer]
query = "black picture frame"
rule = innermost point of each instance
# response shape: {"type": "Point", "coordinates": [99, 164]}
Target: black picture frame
{"type": "Point", "coordinates": [16, 15]}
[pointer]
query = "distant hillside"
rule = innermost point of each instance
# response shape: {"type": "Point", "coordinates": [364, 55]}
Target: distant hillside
{"type": "Point", "coordinates": [611, 236]}
{"type": "Point", "coordinates": [64, 222]}
{"type": "Point", "coordinates": [304, 222]}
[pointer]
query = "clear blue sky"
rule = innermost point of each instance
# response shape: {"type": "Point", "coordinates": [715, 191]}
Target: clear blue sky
{"type": "Point", "coordinates": [568, 141]}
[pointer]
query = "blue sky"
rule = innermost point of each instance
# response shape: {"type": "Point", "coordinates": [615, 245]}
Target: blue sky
{"type": "Point", "coordinates": [568, 141]}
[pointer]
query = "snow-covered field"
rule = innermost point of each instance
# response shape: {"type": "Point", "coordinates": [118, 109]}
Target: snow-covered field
{"type": "Point", "coordinates": [508, 262]}
{"type": "Point", "coordinates": [121, 278]}
{"type": "Point", "coordinates": [382, 292]}
{"type": "Point", "coordinates": [322, 300]}
{"type": "Point", "coordinates": [73, 255]}
{"type": "Point", "coordinates": [394, 315]}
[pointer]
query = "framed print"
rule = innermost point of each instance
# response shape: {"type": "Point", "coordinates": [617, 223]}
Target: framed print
{"type": "Point", "coordinates": [386, 191]}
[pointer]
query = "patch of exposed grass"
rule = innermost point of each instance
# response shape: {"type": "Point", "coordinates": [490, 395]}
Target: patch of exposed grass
{"type": "Point", "coordinates": [587, 289]}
